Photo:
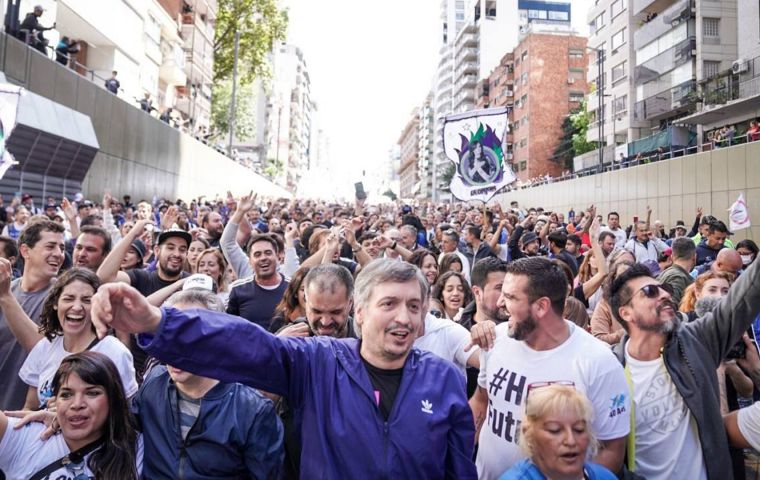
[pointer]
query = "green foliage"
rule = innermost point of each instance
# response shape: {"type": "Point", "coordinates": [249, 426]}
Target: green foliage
{"type": "Point", "coordinates": [245, 100]}
{"type": "Point", "coordinates": [260, 23]}
{"type": "Point", "coordinates": [273, 168]}
{"type": "Point", "coordinates": [389, 193]}
{"type": "Point", "coordinates": [446, 176]}
{"type": "Point", "coordinates": [573, 141]}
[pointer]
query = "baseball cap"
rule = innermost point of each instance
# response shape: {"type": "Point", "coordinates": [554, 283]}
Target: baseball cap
{"type": "Point", "coordinates": [84, 204]}
{"type": "Point", "coordinates": [681, 227]}
{"type": "Point", "coordinates": [199, 281]}
{"type": "Point", "coordinates": [25, 197]}
{"type": "Point", "coordinates": [139, 247]}
{"type": "Point", "coordinates": [51, 205]}
{"type": "Point", "coordinates": [528, 237]}
{"type": "Point", "coordinates": [78, 197]}
{"type": "Point", "coordinates": [406, 209]}
{"type": "Point", "coordinates": [175, 232]}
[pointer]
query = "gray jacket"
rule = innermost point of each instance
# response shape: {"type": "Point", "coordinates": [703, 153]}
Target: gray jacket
{"type": "Point", "coordinates": [692, 353]}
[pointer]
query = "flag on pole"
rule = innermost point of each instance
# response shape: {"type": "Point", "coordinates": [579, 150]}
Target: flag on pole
{"type": "Point", "coordinates": [474, 141]}
{"type": "Point", "coordinates": [9, 97]}
{"type": "Point", "coordinates": [738, 215]}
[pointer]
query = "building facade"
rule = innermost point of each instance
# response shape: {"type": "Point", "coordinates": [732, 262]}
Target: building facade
{"type": "Point", "coordinates": [408, 144]}
{"type": "Point", "coordinates": [425, 147]}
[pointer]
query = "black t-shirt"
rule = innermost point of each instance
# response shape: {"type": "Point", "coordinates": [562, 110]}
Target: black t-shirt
{"type": "Point", "coordinates": [149, 282]}
{"type": "Point", "coordinates": [253, 302]}
{"type": "Point", "coordinates": [385, 383]}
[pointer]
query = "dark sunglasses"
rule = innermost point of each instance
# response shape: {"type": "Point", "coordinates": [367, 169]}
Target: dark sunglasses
{"type": "Point", "coordinates": [651, 291]}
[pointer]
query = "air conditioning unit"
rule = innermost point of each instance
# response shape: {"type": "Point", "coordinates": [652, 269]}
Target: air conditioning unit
{"type": "Point", "coordinates": [739, 66]}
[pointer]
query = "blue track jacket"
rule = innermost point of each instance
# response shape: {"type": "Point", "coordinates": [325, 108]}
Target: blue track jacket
{"type": "Point", "coordinates": [430, 431]}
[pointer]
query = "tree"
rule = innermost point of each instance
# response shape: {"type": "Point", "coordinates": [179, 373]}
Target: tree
{"type": "Point", "coordinates": [573, 142]}
{"type": "Point", "coordinates": [245, 99]}
{"type": "Point", "coordinates": [273, 168]}
{"type": "Point", "coordinates": [260, 23]}
{"type": "Point", "coordinates": [446, 176]}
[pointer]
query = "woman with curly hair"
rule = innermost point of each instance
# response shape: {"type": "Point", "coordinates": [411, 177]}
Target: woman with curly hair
{"type": "Point", "coordinates": [709, 284]}
{"type": "Point", "coordinates": [96, 438]}
{"type": "Point", "coordinates": [65, 328]}
{"type": "Point", "coordinates": [452, 293]}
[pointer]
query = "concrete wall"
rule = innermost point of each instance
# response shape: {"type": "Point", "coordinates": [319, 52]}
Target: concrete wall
{"type": "Point", "coordinates": [138, 154]}
{"type": "Point", "coordinates": [673, 188]}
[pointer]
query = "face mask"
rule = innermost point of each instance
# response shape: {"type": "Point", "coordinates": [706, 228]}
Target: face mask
{"type": "Point", "coordinates": [746, 260]}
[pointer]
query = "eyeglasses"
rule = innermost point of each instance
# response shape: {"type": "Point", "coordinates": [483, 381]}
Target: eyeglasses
{"type": "Point", "coordinates": [537, 385]}
{"type": "Point", "coordinates": [651, 291]}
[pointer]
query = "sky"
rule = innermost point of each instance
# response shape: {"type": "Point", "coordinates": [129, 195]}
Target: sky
{"type": "Point", "coordinates": [370, 65]}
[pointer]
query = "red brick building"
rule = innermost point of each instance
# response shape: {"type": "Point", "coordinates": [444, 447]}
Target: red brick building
{"type": "Point", "coordinates": [543, 79]}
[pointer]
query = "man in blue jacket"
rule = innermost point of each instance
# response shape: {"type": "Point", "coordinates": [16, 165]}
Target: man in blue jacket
{"type": "Point", "coordinates": [198, 427]}
{"type": "Point", "coordinates": [372, 408]}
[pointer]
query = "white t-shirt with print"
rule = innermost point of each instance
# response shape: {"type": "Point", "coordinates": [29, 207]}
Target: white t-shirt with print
{"type": "Point", "coordinates": [46, 356]}
{"type": "Point", "coordinates": [22, 454]}
{"type": "Point", "coordinates": [446, 339]}
{"type": "Point", "coordinates": [506, 371]}
{"type": "Point", "coordinates": [667, 441]}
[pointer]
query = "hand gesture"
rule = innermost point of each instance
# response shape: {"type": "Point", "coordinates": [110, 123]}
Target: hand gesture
{"type": "Point", "coordinates": [300, 329]}
{"type": "Point", "coordinates": [247, 202]}
{"type": "Point", "coordinates": [384, 242]}
{"type": "Point", "coordinates": [699, 212]}
{"type": "Point", "coordinates": [751, 360]}
{"type": "Point", "coordinates": [68, 209]}
{"type": "Point", "coordinates": [141, 226]}
{"type": "Point", "coordinates": [120, 306]}
{"type": "Point", "coordinates": [649, 210]}
{"type": "Point", "coordinates": [6, 276]}
{"type": "Point", "coordinates": [482, 335]}
{"type": "Point", "coordinates": [170, 217]}
{"type": "Point", "coordinates": [595, 229]}
{"type": "Point", "coordinates": [291, 233]}
{"type": "Point", "coordinates": [107, 199]}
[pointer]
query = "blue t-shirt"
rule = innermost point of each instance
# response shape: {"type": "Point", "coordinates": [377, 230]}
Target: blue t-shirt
{"type": "Point", "coordinates": [527, 470]}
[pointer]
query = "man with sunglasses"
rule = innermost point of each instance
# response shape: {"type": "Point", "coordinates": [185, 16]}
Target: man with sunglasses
{"type": "Point", "coordinates": [538, 345]}
{"type": "Point", "coordinates": [670, 367]}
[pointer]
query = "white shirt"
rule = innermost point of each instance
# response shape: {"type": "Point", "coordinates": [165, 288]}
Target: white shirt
{"type": "Point", "coordinates": [22, 453]}
{"type": "Point", "coordinates": [446, 339]}
{"type": "Point", "coordinates": [511, 366]}
{"type": "Point", "coordinates": [46, 356]}
{"type": "Point", "coordinates": [619, 233]}
{"type": "Point", "coordinates": [748, 420]}
{"type": "Point", "coordinates": [667, 442]}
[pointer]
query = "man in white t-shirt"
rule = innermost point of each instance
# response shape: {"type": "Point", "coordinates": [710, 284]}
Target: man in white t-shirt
{"type": "Point", "coordinates": [671, 365]}
{"type": "Point", "coordinates": [448, 340]}
{"type": "Point", "coordinates": [613, 226]}
{"type": "Point", "coordinates": [537, 347]}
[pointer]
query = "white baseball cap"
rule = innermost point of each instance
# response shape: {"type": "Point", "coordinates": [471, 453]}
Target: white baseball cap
{"type": "Point", "coordinates": [201, 281]}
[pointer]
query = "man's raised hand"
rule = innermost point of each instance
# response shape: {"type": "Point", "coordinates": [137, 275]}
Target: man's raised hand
{"type": "Point", "coordinates": [121, 307]}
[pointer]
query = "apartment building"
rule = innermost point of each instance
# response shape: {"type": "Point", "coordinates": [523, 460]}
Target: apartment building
{"type": "Point", "coordinates": [425, 143]}
{"type": "Point", "coordinates": [408, 144]}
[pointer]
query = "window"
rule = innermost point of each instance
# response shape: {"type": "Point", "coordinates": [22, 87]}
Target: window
{"type": "Point", "coordinates": [523, 165]}
{"type": "Point", "coordinates": [616, 8]}
{"type": "Point", "coordinates": [539, 14]}
{"type": "Point", "coordinates": [620, 105]}
{"type": "Point", "coordinates": [573, 53]}
{"type": "Point", "coordinates": [618, 39]}
{"type": "Point", "coordinates": [524, 79]}
{"type": "Point", "coordinates": [523, 100]}
{"type": "Point", "coordinates": [460, 15]}
{"type": "Point", "coordinates": [576, 97]}
{"type": "Point", "coordinates": [618, 72]}
{"type": "Point", "coordinates": [710, 68]}
{"type": "Point", "coordinates": [711, 27]}
{"type": "Point", "coordinates": [524, 56]}
{"type": "Point", "coordinates": [460, 5]}
{"type": "Point", "coordinates": [524, 120]}
{"type": "Point", "coordinates": [597, 24]}
{"type": "Point", "coordinates": [561, 16]}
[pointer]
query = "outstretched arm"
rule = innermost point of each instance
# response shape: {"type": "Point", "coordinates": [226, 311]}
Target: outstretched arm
{"type": "Point", "coordinates": [22, 327]}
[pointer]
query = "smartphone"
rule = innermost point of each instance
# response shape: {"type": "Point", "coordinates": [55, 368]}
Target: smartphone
{"type": "Point", "coordinates": [739, 350]}
{"type": "Point", "coordinates": [360, 193]}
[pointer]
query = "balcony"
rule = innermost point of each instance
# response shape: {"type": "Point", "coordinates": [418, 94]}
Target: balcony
{"type": "Point", "coordinates": [651, 6]}
{"type": "Point", "coordinates": [173, 64]}
{"type": "Point", "coordinates": [679, 99]}
{"type": "Point", "coordinates": [664, 22]}
{"type": "Point", "coordinates": [467, 54]}
{"type": "Point", "coordinates": [671, 58]}
{"type": "Point", "coordinates": [469, 81]}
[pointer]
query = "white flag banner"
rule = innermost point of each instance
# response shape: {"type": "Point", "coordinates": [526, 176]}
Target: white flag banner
{"type": "Point", "coordinates": [474, 142]}
{"type": "Point", "coordinates": [738, 215]}
{"type": "Point", "coordinates": [9, 97]}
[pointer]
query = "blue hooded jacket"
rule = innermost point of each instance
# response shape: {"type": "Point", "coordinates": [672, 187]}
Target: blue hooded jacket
{"type": "Point", "coordinates": [428, 435]}
{"type": "Point", "coordinates": [237, 433]}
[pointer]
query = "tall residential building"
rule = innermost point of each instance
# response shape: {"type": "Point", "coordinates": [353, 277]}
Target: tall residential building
{"type": "Point", "coordinates": [408, 144]}
{"type": "Point", "coordinates": [197, 22]}
{"type": "Point", "coordinates": [290, 110]}
{"type": "Point", "coordinates": [543, 79]}
{"type": "Point", "coordinates": [425, 147]}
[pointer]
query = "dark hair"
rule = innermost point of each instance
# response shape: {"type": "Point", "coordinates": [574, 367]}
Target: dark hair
{"type": "Point", "coordinates": [263, 237]}
{"type": "Point", "coordinates": [576, 312]}
{"type": "Point", "coordinates": [474, 230]}
{"type": "Point", "coordinates": [367, 236]}
{"type": "Point", "coordinates": [618, 289]}
{"type": "Point", "coordinates": [447, 260]}
{"type": "Point", "coordinates": [50, 326]}
{"type": "Point", "coordinates": [613, 213]}
{"type": "Point", "coordinates": [289, 301]}
{"type": "Point", "coordinates": [98, 232]}
{"type": "Point", "coordinates": [33, 231]}
{"type": "Point", "coordinates": [483, 268]}
{"type": "Point", "coordinates": [418, 257]}
{"type": "Point", "coordinates": [683, 248]}
{"type": "Point", "coordinates": [90, 220]}
{"type": "Point", "coordinates": [450, 232]}
{"type": "Point", "coordinates": [115, 460]}
{"type": "Point", "coordinates": [717, 226]}
{"type": "Point", "coordinates": [10, 249]}
{"type": "Point", "coordinates": [558, 238]}
{"type": "Point", "coordinates": [606, 234]}
{"type": "Point", "coordinates": [441, 283]}
{"type": "Point", "coordinates": [576, 239]}
{"type": "Point", "coordinates": [327, 275]}
{"type": "Point", "coordinates": [747, 243]}
{"type": "Point", "coordinates": [545, 279]}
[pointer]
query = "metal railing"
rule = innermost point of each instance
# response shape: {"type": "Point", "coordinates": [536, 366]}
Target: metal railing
{"type": "Point", "coordinates": [663, 23]}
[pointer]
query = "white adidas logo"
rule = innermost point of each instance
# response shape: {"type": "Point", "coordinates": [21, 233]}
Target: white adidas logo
{"type": "Point", "coordinates": [427, 407]}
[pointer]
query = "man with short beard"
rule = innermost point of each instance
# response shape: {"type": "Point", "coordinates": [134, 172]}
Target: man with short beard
{"type": "Point", "coordinates": [679, 433]}
{"type": "Point", "coordinates": [537, 347]}
{"type": "Point", "coordinates": [213, 224]}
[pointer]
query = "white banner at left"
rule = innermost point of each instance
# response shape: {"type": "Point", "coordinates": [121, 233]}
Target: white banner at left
{"type": "Point", "coordinates": [9, 98]}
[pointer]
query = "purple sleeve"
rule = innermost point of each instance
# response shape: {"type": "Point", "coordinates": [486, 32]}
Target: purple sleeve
{"type": "Point", "coordinates": [231, 349]}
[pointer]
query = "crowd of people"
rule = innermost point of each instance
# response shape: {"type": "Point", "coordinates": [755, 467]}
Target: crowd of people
{"type": "Point", "coordinates": [241, 337]}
